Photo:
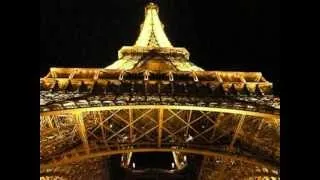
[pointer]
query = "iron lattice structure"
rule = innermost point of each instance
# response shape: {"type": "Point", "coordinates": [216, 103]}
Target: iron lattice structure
{"type": "Point", "coordinates": [153, 99]}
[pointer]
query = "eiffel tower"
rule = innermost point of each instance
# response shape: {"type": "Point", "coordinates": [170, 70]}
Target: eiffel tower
{"type": "Point", "coordinates": [154, 99]}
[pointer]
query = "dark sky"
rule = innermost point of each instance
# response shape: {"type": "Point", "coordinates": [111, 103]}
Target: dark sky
{"type": "Point", "coordinates": [223, 35]}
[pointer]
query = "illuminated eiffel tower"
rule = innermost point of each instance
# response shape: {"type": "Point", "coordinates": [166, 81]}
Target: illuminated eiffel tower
{"type": "Point", "coordinates": [154, 99]}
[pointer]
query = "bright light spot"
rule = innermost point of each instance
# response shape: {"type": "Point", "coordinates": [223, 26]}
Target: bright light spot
{"type": "Point", "coordinates": [250, 107]}
{"type": "Point", "coordinates": [189, 138]}
{"type": "Point", "coordinates": [133, 165]}
{"type": "Point", "coordinates": [172, 165]}
{"type": "Point", "coordinates": [185, 158]}
{"type": "Point", "coordinates": [42, 102]}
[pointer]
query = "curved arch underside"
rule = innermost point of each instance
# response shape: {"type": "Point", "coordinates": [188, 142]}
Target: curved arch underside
{"type": "Point", "coordinates": [69, 136]}
{"type": "Point", "coordinates": [78, 156]}
{"type": "Point", "coordinates": [212, 167]}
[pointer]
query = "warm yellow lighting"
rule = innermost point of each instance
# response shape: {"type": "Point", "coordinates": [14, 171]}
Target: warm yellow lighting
{"type": "Point", "coordinates": [99, 111]}
{"type": "Point", "coordinates": [152, 38]}
{"type": "Point", "coordinates": [152, 27]}
{"type": "Point", "coordinates": [124, 64]}
{"type": "Point", "coordinates": [186, 66]}
{"type": "Point", "coordinates": [129, 158]}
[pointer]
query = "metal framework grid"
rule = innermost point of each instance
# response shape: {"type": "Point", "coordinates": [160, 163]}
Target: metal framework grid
{"type": "Point", "coordinates": [154, 99]}
{"type": "Point", "coordinates": [105, 131]}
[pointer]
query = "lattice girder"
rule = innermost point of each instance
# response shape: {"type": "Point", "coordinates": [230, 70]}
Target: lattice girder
{"type": "Point", "coordinates": [93, 168]}
{"type": "Point", "coordinates": [132, 127]}
{"type": "Point", "coordinates": [217, 168]}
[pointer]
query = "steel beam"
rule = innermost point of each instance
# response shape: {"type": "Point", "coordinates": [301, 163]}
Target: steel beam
{"type": "Point", "coordinates": [176, 160]}
{"type": "Point", "coordinates": [269, 117]}
{"type": "Point", "coordinates": [102, 127]}
{"type": "Point", "coordinates": [237, 131]}
{"type": "Point", "coordinates": [130, 125]}
{"type": "Point", "coordinates": [189, 124]}
{"type": "Point", "coordinates": [82, 131]}
{"type": "Point", "coordinates": [147, 132]}
{"type": "Point", "coordinates": [146, 112]}
{"type": "Point", "coordinates": [258, 130]}
{"type": "Point", "coordinates": [160, 119]}
{"type": "Point", "coordinates": [109, 117]}
{"type": "Point", "coordinates": [49, 120]}
{"type": "Point", "coordinates": [216, 124]}
{"type": "Point", "coordinates": [189, 119]}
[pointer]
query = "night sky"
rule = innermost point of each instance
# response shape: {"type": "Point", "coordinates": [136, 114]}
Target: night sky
{"type": "Point", "coordinates": [223, 35]}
